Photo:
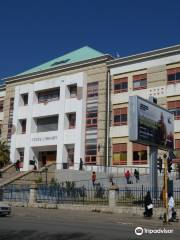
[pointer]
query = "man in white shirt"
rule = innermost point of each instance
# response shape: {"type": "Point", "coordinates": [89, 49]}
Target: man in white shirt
{"type": "Point", "coordinates": [170, 206]}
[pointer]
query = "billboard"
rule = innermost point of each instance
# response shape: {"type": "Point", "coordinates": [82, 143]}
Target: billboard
{"type": "Point", "coordinates": [150, 124]}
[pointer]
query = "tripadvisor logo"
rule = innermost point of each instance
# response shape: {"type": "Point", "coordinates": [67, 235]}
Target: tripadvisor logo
{"type": "Point", "coordinates": [139, 231]}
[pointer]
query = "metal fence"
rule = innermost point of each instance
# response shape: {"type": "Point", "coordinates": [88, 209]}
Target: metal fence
{"type": "Point", "coordinates": [134, 196]}
{"type": "Point", "coordinates": [74, 195]}
{"type": "Point", "coordinates": [15, 193]}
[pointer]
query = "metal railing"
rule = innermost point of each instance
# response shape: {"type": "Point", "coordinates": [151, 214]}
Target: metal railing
{"type": "Point", "coordinates": [15, 193]}
{"type": "Point", "coordinates": [73, 195]}
{"type": "Point", "coordinates": [134, 196]}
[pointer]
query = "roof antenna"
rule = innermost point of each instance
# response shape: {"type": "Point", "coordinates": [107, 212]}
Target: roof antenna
{"type": "Point", "coordinates": [117, 54]}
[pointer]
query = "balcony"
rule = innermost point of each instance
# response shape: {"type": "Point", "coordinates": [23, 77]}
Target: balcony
{"type": "Point", "coordinates": [45, 109]}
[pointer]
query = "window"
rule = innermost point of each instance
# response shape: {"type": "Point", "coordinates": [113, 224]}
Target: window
{"type": "Point", "coordinates": [174, 107]}
{"type": "Point", "coordinates": [23, 126]}
{"type": "Point", "coordinates": [70, 152]}
{"type": "Point", "coordinates": [91, 119]}
{"type": "Point", "coordinates": [177, 148]}
{"type": "Point", "coordinates": [120, 154]}
{"type": "Point", "coordinates": [72, 90]}
{"type": "Point", "coordinates": [25, 99]}
{"type": "Point", "coordinates": [92, 90]}
{"type": "Point", "coordinates": [47, 124]}
{"type": "Point", "coordinates": [1, 105]}
{"type": "Point", "coordinates": [173, 75]}
{"type": "Point", "coordinates": [48, 96]}
{"type": "Point", "coordinates": [72, 120]}
{"type": "Point", "coordinates": [121, 85]}
{"type": "Point", "coordinates": [139, 81]}
{"type": "Point", "coordinates": [139, 154]}
{"type": "Point", "coordinates": [91, 151]}
{"type": "Point", "coordinates": [120, 116]}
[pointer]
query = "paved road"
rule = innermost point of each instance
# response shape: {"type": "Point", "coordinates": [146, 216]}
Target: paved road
{"type": "Point", "coordinates": [49, 224]}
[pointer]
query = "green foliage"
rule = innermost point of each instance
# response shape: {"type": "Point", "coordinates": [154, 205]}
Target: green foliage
{"type": "Point", "coordinates": [4, 154]}
{"type": "Point", "coordinates": [38, 180]}
{"type": "Point", "coordinates": [70, 185]}
{"type": "Point", "coordinates": [54, 182]}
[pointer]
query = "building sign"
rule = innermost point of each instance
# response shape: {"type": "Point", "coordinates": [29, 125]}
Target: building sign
{"type": "Point", "coordinates": [150, 124]}
{"type": "Point", "coordinates": [43, 139]}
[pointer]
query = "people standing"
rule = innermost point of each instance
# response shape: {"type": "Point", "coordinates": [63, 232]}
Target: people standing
{"type": "Point", "coordinates": [170, 207]}
{"type": "Point", "coordinates": [127, 176]}
{"type": "Point", "coordinates": [93, 178]}
{"type": "Point", "coordinates": [17, 165]}
{"type": "Point", "coordinates": [148, 205]}
{"type": "Point", "coordinates": [81, 164]}
{"type": "Point", "coordinates": [136, 175]}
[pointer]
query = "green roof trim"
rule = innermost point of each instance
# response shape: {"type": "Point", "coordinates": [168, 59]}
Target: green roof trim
{"type": "Point", "coordinates": [81, 54]}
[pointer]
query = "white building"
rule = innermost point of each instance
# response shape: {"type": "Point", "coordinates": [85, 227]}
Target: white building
{"type": "Point", "coordinates": [49, 117]}
{"type": "Point", "coordinates": [57, 111]}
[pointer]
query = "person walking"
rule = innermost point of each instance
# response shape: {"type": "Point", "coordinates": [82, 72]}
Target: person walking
{"type": "Point", "coordinates": [136, 175]}
{"type": "Point", "coordinates": [127, 176]}
{"type": "Point", "coordinates": [93, 178]}
{"type": "Point", "coordinates": [170, 207]}
{"type": "Point", "coordinates": [148, 205]}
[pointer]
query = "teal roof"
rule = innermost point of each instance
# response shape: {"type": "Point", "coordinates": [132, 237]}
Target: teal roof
{"type": "Point", "coordinates": [78, 55]}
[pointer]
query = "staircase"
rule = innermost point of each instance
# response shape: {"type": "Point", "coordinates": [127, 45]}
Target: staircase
{"type": "Point", "coordinates": [45, 174]}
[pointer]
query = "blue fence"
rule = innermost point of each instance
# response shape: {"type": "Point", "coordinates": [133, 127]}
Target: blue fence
{"type": "Point", "coordinates": [15, 193]}
{"type": "Point", "coordinates": [75, 195]}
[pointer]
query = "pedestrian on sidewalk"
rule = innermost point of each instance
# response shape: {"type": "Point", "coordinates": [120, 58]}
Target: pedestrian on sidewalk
{"type": "Point", "coordinates": [171, 207]}
{"type": "Point", "coordinates": [136, 175]}
{"type": "Point", "coordinates": [148, 205]}
{"type": "Point", "coordinates": [93, 178]}
{"type": "Point", "coordinates": [127, 176]}
{"type": "Point", "coordinates": [81, 164]}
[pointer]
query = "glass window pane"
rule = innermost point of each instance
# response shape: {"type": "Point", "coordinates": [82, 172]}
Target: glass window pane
{"type": "Point", "coordinates": [171, 77]}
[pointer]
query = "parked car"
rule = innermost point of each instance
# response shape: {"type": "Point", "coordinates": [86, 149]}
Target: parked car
{"type": "Point", "coordinates": [5, 209]}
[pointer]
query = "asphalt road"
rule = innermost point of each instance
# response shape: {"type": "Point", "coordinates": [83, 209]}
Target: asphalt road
{"type": "Point", "coordinates": [49, 224]}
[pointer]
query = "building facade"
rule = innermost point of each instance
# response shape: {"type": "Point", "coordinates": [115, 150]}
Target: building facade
{"type": "Point", "coordinates": [76, 107]}
{"type": "Point", "coordinates": [56, 112]}
{"type": "Point", "coordinates": [156, 74]}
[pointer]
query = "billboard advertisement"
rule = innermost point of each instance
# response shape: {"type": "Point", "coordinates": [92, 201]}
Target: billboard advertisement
{"type": "Point", "coordinates": [150, 124]}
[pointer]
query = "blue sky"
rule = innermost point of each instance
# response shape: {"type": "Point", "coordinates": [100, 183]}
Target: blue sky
{"type": "Point", "coordinates": [35, 31]}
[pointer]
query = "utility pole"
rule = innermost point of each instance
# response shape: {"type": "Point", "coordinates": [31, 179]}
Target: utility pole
{"type": "Point", "coordinates": [165, 195]}
{"type": "Point", "coordinates": [153, 152]}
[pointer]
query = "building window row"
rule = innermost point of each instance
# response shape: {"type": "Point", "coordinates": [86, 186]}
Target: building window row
{"type": "Point", "coordinates": [140, 81]}
{"type": "Point", "coordinates": [120, 154]}
{"type": "Point", "coordinates": [50, 95]}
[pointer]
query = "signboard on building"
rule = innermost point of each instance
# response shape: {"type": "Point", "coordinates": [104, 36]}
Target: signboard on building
{"type": "Point", "coordinates": [150, 124]}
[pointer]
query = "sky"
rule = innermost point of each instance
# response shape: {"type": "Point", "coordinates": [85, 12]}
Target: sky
{"type": "Point", "coordinates": [35, 31]}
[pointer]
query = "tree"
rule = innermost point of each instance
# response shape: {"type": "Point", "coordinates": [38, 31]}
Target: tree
{"type": "Point", "coordinates": [4, 154]}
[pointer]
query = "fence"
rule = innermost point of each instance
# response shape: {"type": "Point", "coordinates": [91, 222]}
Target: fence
{"type": "Point", "coordinates": [15, 193]}
{"type": "Point", "coordinates": [134, 196]}
{"type": "Point", "coordinates": [73, 195]}
{"type": "Point", "coordinates": [58, 194]}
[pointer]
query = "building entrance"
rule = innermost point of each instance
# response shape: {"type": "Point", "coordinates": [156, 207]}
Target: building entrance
{"type": "Point", "coordinates": [47, 157]}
